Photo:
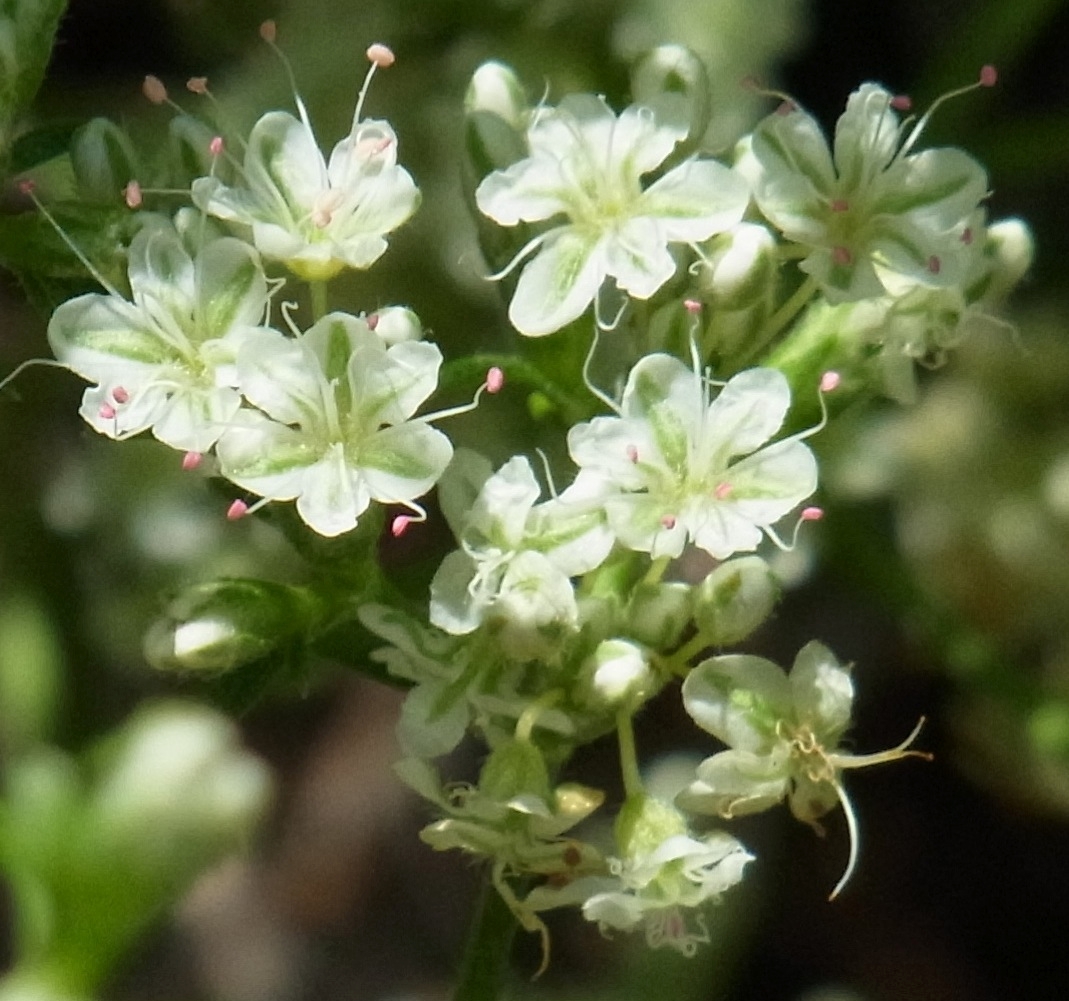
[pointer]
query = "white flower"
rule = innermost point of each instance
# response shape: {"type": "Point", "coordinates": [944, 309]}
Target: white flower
{"type": "Point", "coordinates": [671, 467]}
{"type": "Point", "coordinates": [165, 360]}
{"type": "Point", "coordinates": [334, 429]}
{"type": "Point", "coordinates": [517, 556]}
{"type": "Point", "coordinates": [874, 214]}
{"type": "Point", "coordinates": [586, 164]}
{"type": "Point", "coordinates": [316, 216]}
{"type": "Point", "coordinates": [783, 734]}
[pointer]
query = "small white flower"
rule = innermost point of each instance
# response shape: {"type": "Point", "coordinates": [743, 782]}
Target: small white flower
{"type": "Point", "coordinates": [334, 429]}
{"type": "Point", "coordinates": [316, 216]}
{"type": "Point", "coordinates": [517, 556]}
{"type": "Point", "coordinates": [676, 467]}
{"type": "Point", "coordinates": [166, 359]}
{"type": "Point", "coordinates": [783, 734]}
{"type": "Point", "coordinates": [587, 164]}
{"type": "Point", "coordinates": [875, 215]}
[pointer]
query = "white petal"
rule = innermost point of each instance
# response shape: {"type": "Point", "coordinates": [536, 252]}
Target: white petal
{"type": "Point", "coordinates": [823, 691]}
{"type": "Point", "coordinates": [696, 199]}
{"type": "Point", "coordinates": [636, 255]}
{"type": "Point", "coordinates": [192, 420]}
{"type": "Point", "coordinates": [530, 191]}
{"type": "Point", "coordinates": [453, 606]}
{"type": "Point", "coordinates": [284, 168]}
{"type": "Point", "coordinates": [746, 413]}
{"type": "Point", "coordinates": [333, 494]}
{"type": "Point", "coordinates": [281, 376]}
{"type": "Point", "coordinates": [559, 284]}
{"type": "Point", "coordinates": [231, 289]}
{"type": "Point", "coordinates": [399, 464]}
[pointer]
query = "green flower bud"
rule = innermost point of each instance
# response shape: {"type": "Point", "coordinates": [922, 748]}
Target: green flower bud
{"type": "Point", "coordinates": [658, 613]}
{"type": "Point", "coordinates": [189, 141]}
{"type": "Point", "coordinates": [618, 673]}
{"type": "Point", "coordinates": [513, 769]}
{"type": "Point", "coordinates": [221, 625]}
{"type": "Point", "coordinates": [104, 161]}
{"type": "Point", "coordinates": [496, 110]}
{"type": "Point", "coordinates": [674, 69]}
{"type": "Point", "coordinates": [735, 599]}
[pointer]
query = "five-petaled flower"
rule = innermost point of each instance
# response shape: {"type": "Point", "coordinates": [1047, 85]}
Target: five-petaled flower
{"type": "Point", "coordinates": [316, 216]}
{"type": "Point", "coordinates": [166, 359]}
{"type": "Point", "coordinates": [587, 164]}
{"type": "Point", "coordinates": [334, 429]}
{"type": "Point", "coordinates": [874, 215]}
{"type": "Point", "coordinates": [670, 462]}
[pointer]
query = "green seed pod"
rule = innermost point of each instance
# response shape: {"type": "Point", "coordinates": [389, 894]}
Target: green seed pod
{"type": "Point", "coordinates": [516, 768]}
{"type": "Point", "coordinates": [221, 625]}
{"type": "Point", "coordinates": [735, 599]}
{"type": "Point", "coordinates": [104, 161]}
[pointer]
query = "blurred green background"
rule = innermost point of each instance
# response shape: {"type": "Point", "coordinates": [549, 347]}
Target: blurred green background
{"type": "Point", "coordinates": [941, 569]}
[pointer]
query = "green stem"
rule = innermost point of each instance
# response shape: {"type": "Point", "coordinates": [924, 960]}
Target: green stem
{"type": "Point", "coordinates": [625, 735]}
{"type": "Point", "coordinates": [319, 299]}
{"type": "Point", "coordinates": [779, 320]}
{"type": "Point", "coordinates": [486, 956]}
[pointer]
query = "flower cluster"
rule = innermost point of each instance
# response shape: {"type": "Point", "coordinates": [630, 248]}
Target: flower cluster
{"type": "Point", "coordinates": [762, 285]}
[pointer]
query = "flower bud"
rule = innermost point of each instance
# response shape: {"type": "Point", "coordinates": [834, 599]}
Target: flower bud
{"type": "Point", "coordinates": [657, 614]}
{"type": "Point", "coordinates": [515, 768]}
{"type": "Point", "coordinates": [221, 625]}
{"type": "Point", "coordinates": [735, 599]}
{"type": "Point", "coordinates": [618, 673]}
{"type": "Point", "coordinates": [740, 267]}
{"type": "Point", "coordinates": [672, 73]}
{"type": "Point", "coordinates": [178, 778]}
{"type": "Point", "coordinates": [395, 324]}
{"type": "Point", "coordinates": [1011, 248]}
{"type": "Point", "coordinates": [496, 111]}
{"type": "Point", "coordinates": [189, 145]}
{"type": "Point", "coordinates": [103, 160]}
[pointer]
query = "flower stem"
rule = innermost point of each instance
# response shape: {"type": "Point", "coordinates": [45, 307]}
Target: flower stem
{"type": "Point", "coordinates": [486, 956]}
{"type": "Point", "coordinates": [779, 320]}
{"type": "Point", "coordinates": [625, 735]}
{"type": "Point", "coordinates": [319, 299]}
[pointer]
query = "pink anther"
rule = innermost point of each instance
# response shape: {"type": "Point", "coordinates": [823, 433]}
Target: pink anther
{"type": "Point", "coordinates": [120, 395]}
{"type": "Point", "coordinates": [988, 76]}
{"type": "Point", "coordinates": [722, 491]}
{"type": "Point", "coordinates": [191, 460]}
{"type": "Point", "coordinates": [154, 89]}
{"type": "Point", "coordinates": [381, 55]}
{"type": "Point", "coordinates": [829, 381]}
{"type": "Point", "coordinates": [132, 195]}
{"type": "Point", "coordinates": [107, 412]}
{"type": "Point", "coordinates": [216, 146]}
{"type": "Point", "coordinates": [839, 205]}
{"type": "Point", "coordinates": [692, 306]}
{"type": "Point", "coordinates": [237, 510]}
{"type": "Point", "coordinates": [967, 236]}
{"type": "Point", "coordinates": [268, 32]}
{"type": "Point", "coordinates": [841, 256]}
{"type": "Point", "coordinates": [495, 380]}
{"type": "Point", "coordinates": [372, 320]}
{"type": "Point", "coordinates": [812, 513]}
{"type": "Point", "coordinates": [197, 85]}
{"type": "Point", "coordinates": [934, 264]}
{"type": "Point", "coordinates": [668, 521]}
{"type": "Point", "coordinates": [632, 453]}
{"type": "Point", "coordinates": [902, 102]}
{"type": "Point", "coordinates": [400, 524]}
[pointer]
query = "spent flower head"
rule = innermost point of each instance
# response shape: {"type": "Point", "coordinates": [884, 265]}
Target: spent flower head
{"type": "Point", "coordinates": [784, 735]}
{"type": "Point", "coordinates": [586, 164]}
{"type": "Point", "coordinates": [676, 467]}
{"type": "Point", "coordinates": [659, 880]}
{"type": "Point", "coordinates": [317, 216]}
{"type": "Point", "coordinates": [873, 213]}
{"type": "Point", "coordinates": [334, 428]}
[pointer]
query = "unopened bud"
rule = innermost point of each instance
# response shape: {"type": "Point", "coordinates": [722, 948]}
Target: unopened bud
{"type": "Point", "coordinates": [673, 80]}
{"type": "Point", "coordinates": [658, 613]}
{"type": "Point", "coordinates": [515, 768]}
{"type": "Point", "coordinates": [103, 160]}
{"type": "Point", "coordinates": [617, 674]}
{"type": "Point", "coordinates": [735, 599]}
{"type": "Point", "coordinates": [495, 88]}
{"type": "Point", "coordinates": [395, 324]}
{"type": "Point", "coordinates": [221, 625]}
{"type": "Point", "coordinates": [740, 267]}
